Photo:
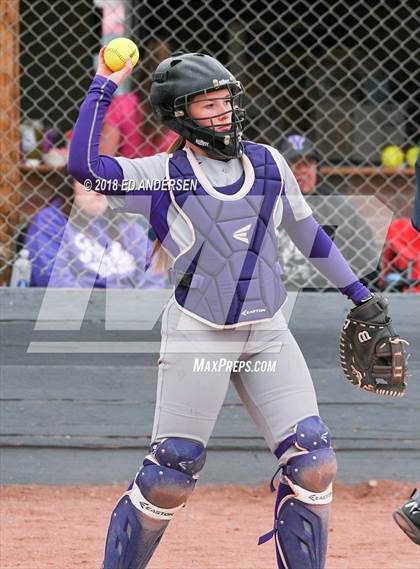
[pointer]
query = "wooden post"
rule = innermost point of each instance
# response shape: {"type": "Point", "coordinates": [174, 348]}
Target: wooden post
{"type": "Point", "coordinates": [9, 133]}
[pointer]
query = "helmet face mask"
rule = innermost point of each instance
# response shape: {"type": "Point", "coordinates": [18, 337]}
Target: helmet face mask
{"type": "Point", "coordinates": [177, 81]}
{"type": "Point", "coordinates": [215, 138]}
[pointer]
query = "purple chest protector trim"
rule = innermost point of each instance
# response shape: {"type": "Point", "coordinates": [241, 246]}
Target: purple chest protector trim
{"type": "Point", "coordinates": [230, 273]}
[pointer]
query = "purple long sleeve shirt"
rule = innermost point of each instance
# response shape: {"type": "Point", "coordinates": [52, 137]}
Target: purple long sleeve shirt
{"type": "Point", "coordinates": [62, 255]}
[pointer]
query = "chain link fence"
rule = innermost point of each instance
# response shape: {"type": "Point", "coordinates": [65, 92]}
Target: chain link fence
{"type": "Point", "coordinates": [344, 74]}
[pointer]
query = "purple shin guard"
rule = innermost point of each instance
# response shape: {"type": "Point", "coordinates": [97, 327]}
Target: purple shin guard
{"type": "Point", "coordinates": [300, 531]}
{"type": "Point", "coordinates": [132, 537]}
{"type": "Point", "coordinates": [301, 514]}
{"type": "Point", "coordinates": [160, 489]}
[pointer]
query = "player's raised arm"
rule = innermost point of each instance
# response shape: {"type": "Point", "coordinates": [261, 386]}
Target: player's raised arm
{"type": "Point", "coordinates": [85, 164]}
{"type": "Point", "coordinates": [111, 176]}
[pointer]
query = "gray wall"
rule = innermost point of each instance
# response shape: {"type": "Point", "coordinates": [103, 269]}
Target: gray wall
{"type": "Point", "coordinates": [75, 409]}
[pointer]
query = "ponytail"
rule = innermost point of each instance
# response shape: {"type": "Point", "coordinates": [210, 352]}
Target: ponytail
{"type": "Point", "coordinates": [176, 145]}
{"type": "Point", "coordinates": [162, 262]}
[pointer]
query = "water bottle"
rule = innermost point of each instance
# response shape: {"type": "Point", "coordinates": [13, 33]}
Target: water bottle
{"type": "Point", "coordinates": [21, 271]}
{"type": "Point", "coordinates": [30, 141]}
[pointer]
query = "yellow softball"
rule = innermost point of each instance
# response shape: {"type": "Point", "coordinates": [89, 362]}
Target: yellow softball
{"type": "Point", "coordinates": [411, 155]}
{"type": "Point", "coordinates": [392, 156]}
{"type": "Point", "coordinates": [118, 51]}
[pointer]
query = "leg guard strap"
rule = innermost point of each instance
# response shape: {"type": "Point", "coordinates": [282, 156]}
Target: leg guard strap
{"type": "Point", "coordinates": [143, 505]}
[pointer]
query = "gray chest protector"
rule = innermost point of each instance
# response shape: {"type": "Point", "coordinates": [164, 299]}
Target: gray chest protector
{"type": "Point", "coordinates": [230, 273]}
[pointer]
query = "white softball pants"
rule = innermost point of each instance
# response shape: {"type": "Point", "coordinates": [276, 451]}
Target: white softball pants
{"type": "Point", "coordinates": [196, 363]}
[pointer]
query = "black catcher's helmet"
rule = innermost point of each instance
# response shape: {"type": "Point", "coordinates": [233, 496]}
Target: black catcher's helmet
{"type": "Point", "coordinates": [176, 80]}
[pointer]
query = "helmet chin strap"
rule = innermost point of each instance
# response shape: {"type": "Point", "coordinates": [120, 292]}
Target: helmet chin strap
{"type": "Point", "coordinates": [201, 152]}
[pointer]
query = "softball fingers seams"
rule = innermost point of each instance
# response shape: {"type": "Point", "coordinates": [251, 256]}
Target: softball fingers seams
{"type": "Point", "coordinates": [115, 52]}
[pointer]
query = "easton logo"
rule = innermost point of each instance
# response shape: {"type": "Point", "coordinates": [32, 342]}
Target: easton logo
{"type": "Point", "coordinates": [201, 142]}
{"type": "Point", "coordinates": [253, 311]}
{"type": "Point", "coordinates": [145, 506]}
{"type": "Point", "coordinates": [318, 498]}
{"type": "Point", "coordinates": [242, 233]}
{"type": "Point", "coordinates": [364, 336]}
{"type": "Point", "coordinates": [185, 464]}
{"type": "Point", "coordinates": [324, 437]}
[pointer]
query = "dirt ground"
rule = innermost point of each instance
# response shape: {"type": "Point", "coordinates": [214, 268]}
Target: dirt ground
{"type": "Point", "coordinates": [44, 527]}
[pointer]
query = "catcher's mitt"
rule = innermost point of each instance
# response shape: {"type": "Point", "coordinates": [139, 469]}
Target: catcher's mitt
{"type": "Point", "coordinates": [372, 355]}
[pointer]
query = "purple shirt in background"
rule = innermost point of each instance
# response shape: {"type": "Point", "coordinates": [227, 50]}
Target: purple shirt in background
{"type": "Point", "coordinates": [62, 255]}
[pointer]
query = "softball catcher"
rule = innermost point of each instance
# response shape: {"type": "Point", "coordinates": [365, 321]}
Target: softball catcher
{"type": "Point", "coordinates": [221, 235]}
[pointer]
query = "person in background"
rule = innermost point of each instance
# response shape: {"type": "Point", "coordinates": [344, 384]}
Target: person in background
{"type": "Point", "coordinates": [415, 215]}
{"type": "Point", "coordinates": [408, 515]}
{"type": "Point", "coordinates": [130, 130]}
{"type": "Point", "coordinates": [76, 242]}
{"type": "Point", "coordinates": [337, 215]}
{"type": "Point", "coordinates": [400, 262]}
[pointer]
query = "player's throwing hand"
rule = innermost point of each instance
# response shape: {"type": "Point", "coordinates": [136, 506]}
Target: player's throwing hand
{"type": "Point", "coordinates": [116, 76]}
